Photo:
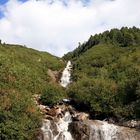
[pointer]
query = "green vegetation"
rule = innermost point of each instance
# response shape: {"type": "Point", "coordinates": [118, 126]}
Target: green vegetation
{"type": "Point", "coordinates": [123, 38]}
{"type": "Point", "coordinates": [23, 72]}
{"type": "Point", "coordinates": [52, 95]}
{"type": "Point", "coordinates": [106, 74]}
{"type": "Point", "coordinates": [106, 80]}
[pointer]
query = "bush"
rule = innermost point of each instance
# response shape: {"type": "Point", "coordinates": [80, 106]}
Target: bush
{"type": "Point", "coordinates": [19, 118]}
{"type": "Point", "coordinates": [52, 95]}
{"type": "Point", "coordinates": [106, 74]}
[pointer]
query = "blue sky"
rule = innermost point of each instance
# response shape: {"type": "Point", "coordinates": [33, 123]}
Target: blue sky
{"type": "Point", "coordinates": [50, 27]}
{"type": "Point", "coordinates": [4, 1]}
{"type": "Point", "coordinates": [1, 3]}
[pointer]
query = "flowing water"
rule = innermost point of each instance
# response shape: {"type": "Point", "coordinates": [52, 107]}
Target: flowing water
{"type": "Point", "coordinates": [101, 130]}
{"type": "Point", "coordinates": [57, 129]}
{"type": "Point", "coordinates": [66, 75]}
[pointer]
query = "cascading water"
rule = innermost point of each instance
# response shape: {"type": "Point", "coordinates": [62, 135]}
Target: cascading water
{"type": "Point", "coordinates": [101, 130]}
{"type": "Point", "coordinates": [57, 129]}
{"type": "Point", "coordinates": [62, 127]}
{"type": "Point", "coordinates": [66, 75]}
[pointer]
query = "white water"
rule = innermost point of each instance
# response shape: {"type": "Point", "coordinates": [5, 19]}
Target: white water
{"type": "Point", "coordinates": [62, 127]}
{"type": "Point", "coordinates": [99, 130]}
{"type": "Point", "coordinates": [57, 130]}
{"type": "Point", "coordinates": [46, 129]}
{"type": "Point", "coordinates": [66, 75]}
{"type": "Point", "coordinates": [103, 131]}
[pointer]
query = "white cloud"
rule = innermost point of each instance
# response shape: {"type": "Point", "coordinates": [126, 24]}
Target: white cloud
{"type": "Point", "coordinates": [58, 28]}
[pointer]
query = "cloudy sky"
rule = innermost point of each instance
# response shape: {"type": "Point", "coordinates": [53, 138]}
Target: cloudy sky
{"type": "Point", "coordinates": [57, 26]}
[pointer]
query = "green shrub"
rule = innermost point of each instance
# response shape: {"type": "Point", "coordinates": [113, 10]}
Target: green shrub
{"type": "Point", "coordinates": [106, 73]}
{"type": "Point", "coordinates": [52, 95]}
{"type": "Point", "coordinates": [23, 72]}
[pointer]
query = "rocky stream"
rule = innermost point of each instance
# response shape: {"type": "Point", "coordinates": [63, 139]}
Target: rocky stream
{"type": "Point", "coordinates": [64, 122]}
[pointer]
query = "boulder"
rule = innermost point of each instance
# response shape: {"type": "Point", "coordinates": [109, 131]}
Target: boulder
{"type": "Point", "coordinates": [132, 124]}
{"type": "Point", "coordinates": [55, 111]}
{"type": "Point", "coordinates": [81, 116]}
{"type": "Point", "coordinates": [101, 130]}
{"type": "Point", "coordinates": [79, 130]}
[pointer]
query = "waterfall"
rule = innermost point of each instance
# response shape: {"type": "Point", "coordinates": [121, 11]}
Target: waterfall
{"type": "Point", "coordinates": [66, 75]}
{"type": "Point", "coordinates": [101, 130]}
{"type": "Point", "coordinates": [61, 126]}
{"type": "Point", "coordinates": [57, 129]}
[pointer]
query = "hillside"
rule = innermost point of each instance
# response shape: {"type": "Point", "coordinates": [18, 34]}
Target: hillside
{"type": "Point", "coordinates": [106, 74]}
{"type": "Point", "coordinates": [105, 81]}
{"type": "Point", "coordinates": [23, 72]}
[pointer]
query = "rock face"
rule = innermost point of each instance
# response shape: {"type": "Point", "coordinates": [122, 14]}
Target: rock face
{"type": "Point", "coordinates": [81, 116]}
{"type": "Point", "coordinates": [101, 130]}
{"type": "Point", "coordinates": [132, 124]}
{"type": "Point", "coordinates": [55, 75]}
{"type": "Point", "coordinates": [79, 130]}
{"type": "Point", "coordinates": [54, 111]}
{"type": "Point", "coordinates": [64, 122]}
{"type": "Point", "coordinates": [55, 123]}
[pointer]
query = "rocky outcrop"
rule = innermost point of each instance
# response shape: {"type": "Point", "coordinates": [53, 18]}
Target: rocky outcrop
{"type": "Point", "coordinates": [101, 130]}
{"type": "Point", "coordinates": [54, 111]}
{"type": "Point", "coordinates": [132, 124]}
{"type": "Point", "coordinates": [55, 75]}
{"type": "Point", "coordinates": [63, 120]}
{"type": "Point", "coordinates": [81, 116]}
{"type": "Point", "coordinates": [79, 130]}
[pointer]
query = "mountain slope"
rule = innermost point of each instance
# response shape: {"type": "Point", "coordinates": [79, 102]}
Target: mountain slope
{"type": "Point", "coordinates": [106, 75]}
{"type": "Point", "coordinates": [122, 38]}
{"type": "Point", "coordinates": [23, 72]}
{"type": "Point", "coordinates": [26, 68]}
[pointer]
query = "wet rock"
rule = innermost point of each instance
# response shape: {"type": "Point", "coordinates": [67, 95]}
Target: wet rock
{"type": "Point", "coordinates": [48, 117]}
{"type": "Point", "coordinates": [56, 129]}
{"type": "Point", "coordinates": [79, 130]}
{"type": "Point", "coordinates": [42, 108]}
{"type": "Point", "coordinates": [38, 135]}
{"type": "Point", "coordinates": [81, 116]}
{"type": "Point", "coordinates": [101, 130]}
{"type": "Point", "coordinates": [72, 111]}
{"type": "Point", "coordinates": [53, 128]}
{"type": "Point", "coordinates": [66, 100]}
{"type": "Point", "coordinates": [132, 124]}
{"type": "Point", "coordinates": [54, 111]}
